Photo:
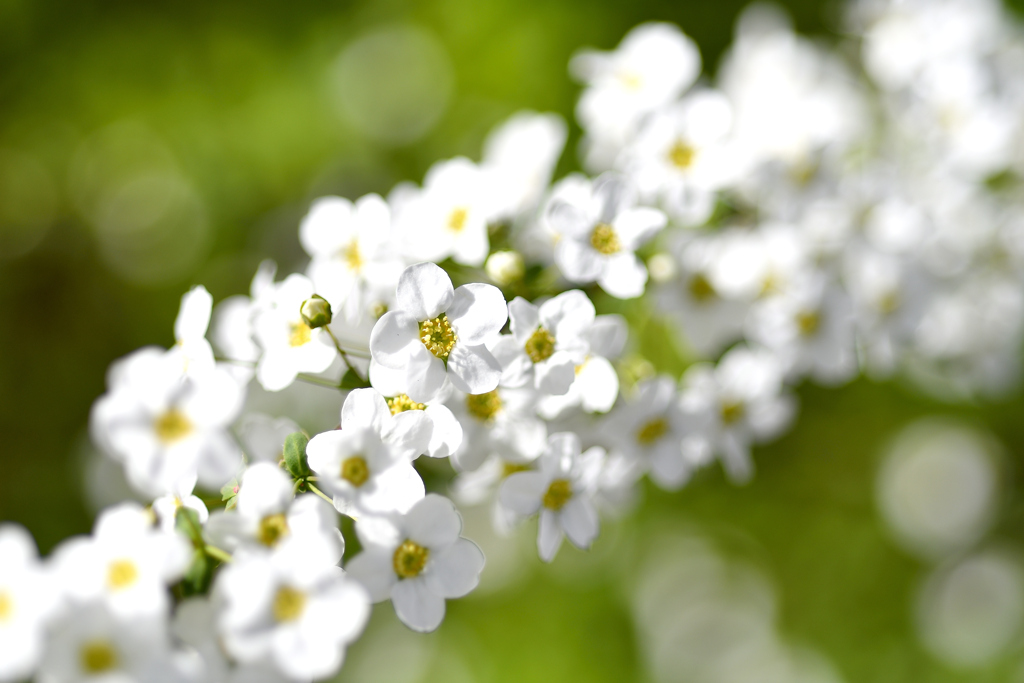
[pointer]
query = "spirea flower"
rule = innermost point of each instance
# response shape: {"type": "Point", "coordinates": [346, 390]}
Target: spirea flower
{"type": "Point", "coordinates": [438, 332]}
{"type": "Point", "coordinates": [418, 560]}
{"type": "Point", "coordinates": [28, 597]}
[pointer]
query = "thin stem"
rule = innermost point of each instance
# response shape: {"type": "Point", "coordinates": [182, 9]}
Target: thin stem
{"type": "Point", "coordinates": [217, 554]}
{"type": "Point", "coordinates": [319, 381]}
{"type": "Point", "coordinates": [235, 361]}
{"type": "Point", "coordinates": [344, 356]}
{"type": "Point", "coordinates": [320, 493]}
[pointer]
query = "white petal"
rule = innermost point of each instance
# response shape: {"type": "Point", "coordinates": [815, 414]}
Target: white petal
{"type": "Point", "coordinates": [326, 227]}
{"type": "Point", "coordinates": [473, 369]}
{"type": "Point", "coordinates": [425, 291]}
{"type": "Point", "coordinates": [433, 522]}
{"type": "Point", "coordinates": [446, 435]}
{"type": "Point", "coordinates": [394, 339]}
{"type": "Point", "coordinates": [579, 263]}
{"type": "Point", "coordinates": [549, 535]}
{"type": "Point", "coordinates": [194, 314]}
{"type": "Point", "coordinates": [636, 226]}
{"type": "Point", "coordinates": [456, 571]}
{"type": "Point", "coordinates": [398, 489]}
{"type": "Point", "coordinates": [598, 385]}
{"type": "Point", "coordinates": [365, 408]}
{"type": "Point", "coordinates": [477, 313]}
{"type": "Point", "coordinates": [425, 376]}
{"type": "Point", "coordinates": [579, 519]}
{"type": "Point", "coordinates": [524, 317]}
{"type": "Point", "coordinates": [624, 276]}
{"type": "Point", "coordinates": [516, 366]}
{"type": "Point", "coordinates": [374, 569]}
{"type": "Point", "coordinates": [409, 433]}
{"type": "Point", "coordinates": [555, 375]}
{"type": "Point", "coordinates": [417, 606]}
{"type": "Point", "coordinates": [522, 492]}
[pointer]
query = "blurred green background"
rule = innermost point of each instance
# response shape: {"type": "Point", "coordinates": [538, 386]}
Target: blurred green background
{"type": "Point", "coordinates": [146, 147]}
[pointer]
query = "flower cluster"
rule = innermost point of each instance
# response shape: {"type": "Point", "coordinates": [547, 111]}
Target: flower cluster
{"type": "Point", "coordinates": [797, 217]}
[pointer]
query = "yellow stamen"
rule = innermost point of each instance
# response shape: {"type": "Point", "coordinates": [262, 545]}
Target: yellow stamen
{"type": "Point", "coordinates": [700, 288]}
{"type": "Point", "coordinates": [652, 431]}
{"type": "Point", "coordinates": [410, 559]}
{"type": "Point", "coordinates": [97, 656]}
{"type": "Point", "coordinates": [484, 406]}
{"type": "Point", "coordinates": [510, 468]}
{"type": "Point", "coordinates": [604, 239]}
{"type": "Point", "coordinates": [352, 256]}
{"type": "Point", "coordinates": [731, 412]}
{"type": "Point", "coordinates": [808, 322]}
{"type": "Point", "coordinates": [402, 403]}
{"type": "Point", "coordinates": [438, 336]}
{"type": "Point", "coordinates": [457, 219]}
{"type": "Point", "coordinates": [540, 346]}
{"type": "Point", "coordinates": [6, 606]}
{"type": "Point", "coordinates": [557, 495]}
{"type": "Point", "coordinates": [122, 574]}
{"type": "Point", "coordinates": [681, 155]}
{"type": "Point", "coordinates": [289, 604]}
{"type": "Point", "coordinates": [172, 426]}
{"type": "Point", "coordinates": [889, 303]}
{"type": "Point", "coordinates": [355, 471]}
{"type": "Point", "coordinates": [272, 529]}
{"type": "Point", "coordinates": [299, 334]}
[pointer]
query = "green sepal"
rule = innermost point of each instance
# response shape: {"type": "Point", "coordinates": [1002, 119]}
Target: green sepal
{"type": "Point", "coordinates": [351, 380]}
{"type": "Point", "coordinates": [295, 455]}
{"type": "Point", "coordinates": [229, 494]}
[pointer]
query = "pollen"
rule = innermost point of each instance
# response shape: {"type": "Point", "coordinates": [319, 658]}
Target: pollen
{"type": "Point", "coordinates": [6, 606]}
{"type": "Point", "coordinates": [808, 322]}
{"type": "Point", "coordinates": [97, 657]}
{"type": "Point", "coordinates": [401, 403]}
{"type": "Point", "coordinates": [272, 529]}
{"type": "Point", "coordinates": [438, 336]}
{"type": "Point", "coordinates": [172, 426]}
{"type": "Point", "coordinates": [122, 574]}
{"type": "Point", "coordinates": [540, 346]}
{"type": "Point", "coordinates": [732, 411]}
{"type": "Point", "coordinates": [457, 219]}
{"type": "Point", "coordinates": [484, 406]}
{"type": "Point", "coordinates": [630, 80]}
{"type": "Point", "coordinates": [557, 495]}
{"type": "Point", "coordinates": [701, 288]}
{"type": "Point", "coordinates": [289, 604]}
{"type": "Point", "coordinates": [355, 471]}
{"type": "Point", "coordinates": [299, 334]}
{"type": "Point", "coordinates": [652, 431]}
{"type": "Point", "coordinates": [604, 239]}
{"type": "Point", "coordinates": [681, 155]}
{"type": "Point", "coordinates": [352, 256]}
{"type": "Point", "coordinates": [410, 559]}
{"type": "Point", "coordinates": [510, 468]}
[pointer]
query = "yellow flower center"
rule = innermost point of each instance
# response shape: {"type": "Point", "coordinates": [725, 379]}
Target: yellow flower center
{"type": "Point", "coordinates": [540, 346]}
{"type": "Point", "coordinates": [604, 239]}
{"type": "Point", "coordinates": [510, 468]}
{"type": "Point", "coordinates": [355, 471]}
{"type": "Point", "coordinates": [402, 403]}
{"type": "Point", "coordinates": [410, 559]}
{"type": "Point", "coordinates": [652, 431]}
{"type": "Point", "coordinates": [630, 80]}
{"type": "Point", "coordinates": [6, 606]}
{"type": "Point", "coordinates": [172, 426]}
{"type": "Point", "coordinates": [97, 657]}
{"type": "Point", "coordinates": [808, 322]}
{"type": "Point", "coordinates": [681, 155]}
{"type": "Point", "coordinates": [352, 257]}
{"type": "Point", "coordinates": [484, 406]}
{"type": "Point", "coordinates": [700, 288]}
{"type": "Point", "coordinates": [289, 604]}
{"type": "Point", "coordinates": [299, 334]}
{"type": "Point", "coordinates": [557, 495]}
{"type": "Point", "coordinates": [122, 574]}
{"type": "Point", "coordinates": [732, 411]}
{"type": "Point", "coordinates": [438, 336]}
{"type": "Point", "coordinates": [457, 219]}
{"type": "Point", "coordinates": [272, 529]}
{"type": "Point", "coordinates": [379, 309]}
{"type": "Point", "coordinates": [889, 303]}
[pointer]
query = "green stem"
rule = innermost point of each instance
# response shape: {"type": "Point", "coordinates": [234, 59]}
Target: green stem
{"type": "Point", "coordinates": [217, 554]}
{"type": "Point", "coordinates": [319, 381]}
{"type": "Point", "coordinates": [344, 356]}
{"type": "Point", "coordinates": [319, 493]}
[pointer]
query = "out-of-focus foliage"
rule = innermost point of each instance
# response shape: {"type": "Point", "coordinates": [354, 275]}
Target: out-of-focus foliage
{"type": "Point", "coordinates": [146, 147]}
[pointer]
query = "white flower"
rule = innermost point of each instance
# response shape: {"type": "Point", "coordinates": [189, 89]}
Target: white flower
{"type": "Point", "coordinates": [267, 512]}
{"type": "Point", "coordinates": [445, 432]}
{"type": "Point", "coordinates": [561, 490]}
{"type": "Point", "coordinates": [263, 436]}
{"type": "Point", "coordinates": [596, 385]}
{"type": "Point", "coordinates": [546, 343]}
{"type": "Point", "coordinates": [502, 421]}
{"type": "Point", "coordinates": [190, 326]}
{"type": "Point", "coordinates": [652, 66]}
{"type": "Point", "coordinates": [289, 345]}
{"type": "Point", "coordinates": [166, 509]}
{"type": "Point", "coordinates": [418, 560]}
{"type": "Point", "coordinates": [367, 464]}
{"type": "Point", "coordinates": [292, 608]}
{"type": "Point", "coordinates": [126, 563]}
{"type": "Point", "coordinates": [167, 428]}
{"type": "Point", "coordinates": [27, 600]}
{"type": "Point", "coordinates": [351, 251]}
{"type": "Point", "coordinates": [449, 216]}
{"type": "Point", "coordinates": [735, 404]}
{"type": "Point", "coordinates": [600, 229]}
{"type": "Point", "coordinates": [520, 156]}
{"type": "Point", "coordinates": [653, 427]}
{"type": "Point", "coordinates": [89, 643]}
{"type": "Point", "coordinates": [437, 332]}
{"type": "Point", "coordinates": [232, 331]}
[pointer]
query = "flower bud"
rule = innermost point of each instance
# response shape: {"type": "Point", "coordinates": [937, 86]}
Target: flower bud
{"type": "Point", "coordinates": [505, 267]}
{"type": "Point", "coordinates": [316, 312]}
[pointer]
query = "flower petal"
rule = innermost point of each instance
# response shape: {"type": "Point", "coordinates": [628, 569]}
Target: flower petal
{"type": "Point", "coordinates": [579, 519]}
{"type": "Point", "coordinates": [473, 369]}
{"type": "Point", "coordinates": [555, 375]}
{"type": "Point", "coordinates": [446, 435]}
{"type": "Point", "coordinates": [549, 535]}
{"type": "Point", "coordinates": [365, 408]}
{"type": "Point", "coordinates": [416, 605]}
{"type": "Point", "coordinates": [624, 276]}
{"type": "Point", "coordinates": [477, 313]}
{"type": "Point", "coordinates": [579, 262]}
{"type": "Point", "coordinates": [636, 226]}
{"type": "Point", "coordinates": [394, 339]}
{"type": "Point", "coordinates": [456, 571]}
{"type": "Point", "coordinates": [424, 291]}
{"type": "Point", "coordinates": [524, 318]}
{"type": "Point", "coordinates": [373, 569]}
{"type": "Point", "coordinates": [433, 522]}
{"type": "Point", "coordinates": [521, 492]}
{"type": "Point", "coordinates": [425, 375]}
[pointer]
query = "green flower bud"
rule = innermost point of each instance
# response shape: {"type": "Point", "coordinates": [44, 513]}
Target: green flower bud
{"type": "Point", "coordinates": [316, 312]}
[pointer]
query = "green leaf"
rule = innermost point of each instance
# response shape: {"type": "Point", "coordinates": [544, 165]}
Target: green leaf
{"type": "Point", "coordinates": [197, 579]}
{"type": "Point", "coordinates": [351, 380]}
{"type": "Point", "coordinates": [295, 455]}
{"type": "Point", "coordinates": [229, 491]}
